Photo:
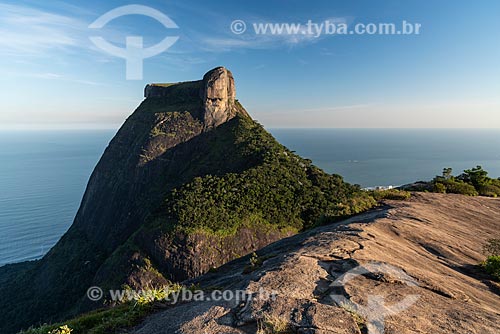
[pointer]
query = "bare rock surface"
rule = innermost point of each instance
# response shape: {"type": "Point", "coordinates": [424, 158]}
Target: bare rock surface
{"type": "Point", "coordinates": [218, 93]}
{"type": "Point", "coordinates": [428, 249]}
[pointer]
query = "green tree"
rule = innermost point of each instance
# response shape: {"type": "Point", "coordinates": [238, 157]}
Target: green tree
{"type": "Point", "coordinates": [447, 173]}
{"type": "Point", "coordinates": [477, 176]}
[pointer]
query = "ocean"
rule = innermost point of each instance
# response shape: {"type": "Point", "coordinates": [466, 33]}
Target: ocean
{"type": "Point", "coordinates": [43, 174]}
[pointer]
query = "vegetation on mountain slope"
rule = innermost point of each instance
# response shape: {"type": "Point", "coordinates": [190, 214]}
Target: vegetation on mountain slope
{"type": "Point", "coordinates": [283, 189]}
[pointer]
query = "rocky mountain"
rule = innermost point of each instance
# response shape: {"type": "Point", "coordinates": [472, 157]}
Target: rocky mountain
{"type": "Point", "coordinates": [188, 183]}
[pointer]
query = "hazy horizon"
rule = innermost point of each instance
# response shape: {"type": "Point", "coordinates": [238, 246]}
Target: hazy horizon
{"type": "Point", "coordinates": [446, 76]}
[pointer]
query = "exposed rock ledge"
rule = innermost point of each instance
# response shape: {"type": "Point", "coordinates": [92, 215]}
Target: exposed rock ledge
{"type": "Point", "coordinates": [217, 92]}
{"type": "Point", "coordinates": [435, 239]}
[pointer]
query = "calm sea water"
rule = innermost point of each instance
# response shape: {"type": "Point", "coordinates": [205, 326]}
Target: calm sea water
{"type": "Point", "coordinates": [43, 174]}
{"type": "Point", "coordinates": [373, 157]}
{"type": "Point", "coordinates": [42, 179]}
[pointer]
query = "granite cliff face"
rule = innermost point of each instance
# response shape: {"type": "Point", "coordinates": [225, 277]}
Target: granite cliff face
{"type": "Point", "coordinates": [188, 183]}
{"type": "Point", "coordinates": [217, 93]}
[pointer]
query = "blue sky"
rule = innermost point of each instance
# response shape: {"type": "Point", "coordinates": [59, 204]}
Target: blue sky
{"type": "Point", "coordinates": [52, 76]}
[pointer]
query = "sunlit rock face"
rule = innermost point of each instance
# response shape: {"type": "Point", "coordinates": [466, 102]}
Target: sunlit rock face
{"type": "Point", "coordinates": [216, 91]}
{"type": "Point", "coordinates": [218, 94]}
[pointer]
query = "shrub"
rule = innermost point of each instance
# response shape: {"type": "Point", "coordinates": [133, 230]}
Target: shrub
{"type": "Point", "coordinates": [492, 266]}
{"type": "Point", "coordinates": [492, 263]}
{"type": "Point", "coordinates": [439, 188]}
{"type": "Point", "coordinates": [490, 190]}
{"type": "Point", "coordinates": [460, 187]}
{"type": "Point", "coordinates": [61, 330]}
{"type": "Point", "coordinates": [255, 262]}
{"type": "Point", "coordinates": [390, 194]}
{"type": "Point", "coordinates": [274, 324]}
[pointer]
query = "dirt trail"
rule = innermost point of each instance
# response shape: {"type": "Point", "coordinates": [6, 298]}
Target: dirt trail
{"type": "Point", "coordinates": [426, 248]}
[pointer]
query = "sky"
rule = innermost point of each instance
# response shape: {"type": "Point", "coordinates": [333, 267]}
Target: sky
{"type": "Point", "coordinates": [447, 76]}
